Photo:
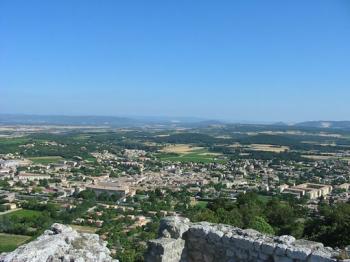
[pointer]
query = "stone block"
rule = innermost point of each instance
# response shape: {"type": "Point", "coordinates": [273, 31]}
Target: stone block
{"type": "Point", "coordinates": [298, 253]}
{"type": "Point", "coordinates": [268, 247]}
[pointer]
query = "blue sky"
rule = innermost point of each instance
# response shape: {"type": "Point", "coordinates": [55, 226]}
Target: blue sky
{"type": "Point", "coordinates": [234, 60]}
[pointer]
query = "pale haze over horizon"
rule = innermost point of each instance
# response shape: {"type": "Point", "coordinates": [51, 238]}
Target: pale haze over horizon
{"type": "Point", "coordinates": [230, 60]}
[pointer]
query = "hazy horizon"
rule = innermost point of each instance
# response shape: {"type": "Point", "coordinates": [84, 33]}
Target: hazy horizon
{"type": "Point", "coordinates": [174, 118]}
{"type": "Point", "coordinates": [252, 61]}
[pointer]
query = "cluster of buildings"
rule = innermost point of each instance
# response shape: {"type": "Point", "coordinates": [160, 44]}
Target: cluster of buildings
{"type": "Point", "coordinates": [312, 179]}
{"type": "Point", "coordinates": [310, 190]}
{"type": "Point", "coordinates": [9, 164]}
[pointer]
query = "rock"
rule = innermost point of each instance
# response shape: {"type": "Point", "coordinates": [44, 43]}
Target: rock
{"type": "Point", "coordinates": [281, 249]}
{"type": "Point", "coordinates": [61, 243]}
{"type": "Point", "coordinates": [173, 227]}
{"type": "Point", "coordinates": [321, 255]}
{"type": "Point", "coordinates": [298, 253]}
{"type": "Point", "coordinates": [183, 241]}
{"type": "Point", "coordinates": [285, 239]}
{"type": "Point", "coordinates": [165, 249]}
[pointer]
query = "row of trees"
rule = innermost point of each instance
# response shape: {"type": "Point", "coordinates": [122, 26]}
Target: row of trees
{"type": "Point", "coordinates": [331, 225]}
{"type": "Point", "coordinates": [251, 211]}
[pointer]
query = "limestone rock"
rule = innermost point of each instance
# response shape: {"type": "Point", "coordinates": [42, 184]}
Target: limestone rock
{"type": "Point", "coordinates": [173, 227]}
{"type": "Point", "coordinates": [59, 244]}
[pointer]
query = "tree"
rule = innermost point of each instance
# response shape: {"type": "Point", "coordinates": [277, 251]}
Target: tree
{"type": "Point", "coordinates": [87, 194]}
{"type": "Point", "coordinates": [44, 183]}
{"type": "Point", "coordinates": [206, 215]}
{"type": "Point", "coordinates": [281, 216]}
{"type": "Point", "coordinates": [333, 226]}
{"type": "Point", "coordinates": [260, 224]}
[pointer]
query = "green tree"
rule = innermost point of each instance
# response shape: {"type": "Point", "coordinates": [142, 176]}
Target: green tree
{"type": "Point", "coordinates": [332, 227]}
{"type": "Point", "coordinates": [260, 224]}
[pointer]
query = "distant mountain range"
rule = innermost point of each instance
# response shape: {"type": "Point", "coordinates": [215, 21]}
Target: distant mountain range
{"type": "Point", "coordinates": [64, 120]}
{"type": "Point", "coordinates": [325, 124]}
{"type": "Point", "coordinates": [115, 121]}
{"type": "Point", "coordinates": [110, 121]}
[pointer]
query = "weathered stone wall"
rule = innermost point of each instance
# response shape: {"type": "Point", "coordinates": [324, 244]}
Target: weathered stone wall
{"type": "Point", "coordinates": [182, 241]}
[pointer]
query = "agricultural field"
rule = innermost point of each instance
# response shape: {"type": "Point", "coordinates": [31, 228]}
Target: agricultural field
{"type": "Point", "coordinates": [188, 153]}
{"type": "Point", "coordinates": [319, 157]}
{"type": "Point", "coordinates": [180, 149]}
{"type": "Point", "coordinates": [9, 242]}
{"type": "Point", "coordinates": [268, 148]}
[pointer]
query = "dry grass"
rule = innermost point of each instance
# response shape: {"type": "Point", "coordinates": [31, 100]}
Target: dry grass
{"type": "Point", "coordinates": [209, 154]}
{"type": "Point", "coordinates": [318, 157]}
{"type": "Point", "coordinates": [188, 153]}
{"type": "Point", "coordinates": [320, 144]}
{"type": "Point", "coordinates": [84, 229]}
{"type": "Point", "coordinates": [180, 149]}
{"type": "Point", "coordinates": [223, 137]}
{"type": "Point", "coordinates": [268, 148]}
{"type": "Point", "coordinates": [235, 145]}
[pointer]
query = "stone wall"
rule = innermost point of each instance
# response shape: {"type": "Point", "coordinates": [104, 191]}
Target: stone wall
{"type": "Point", "coordinates": [182, 241]}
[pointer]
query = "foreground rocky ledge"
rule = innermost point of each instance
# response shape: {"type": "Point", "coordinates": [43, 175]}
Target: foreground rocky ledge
{"type": "Point", "coordinates": [61, 244]}
{"type": "Point", "coordinates": [182, 241]}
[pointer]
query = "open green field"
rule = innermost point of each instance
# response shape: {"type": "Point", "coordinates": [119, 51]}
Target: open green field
{"type": "Point", "coordinates": [202, 204]}
{"type": "Point", "coordinates": [91, 159]}
{"type": "Point", "coordinates": [81, 137]}
{"type": "Point", "coordinates": [12, 145]}
{"type": "Point", "coordinates": [13, 141]}
{"type": "Point", "coordinates": [9, 242]}
{"type": "Point", "coordinates": [24, 213]}
{"type": "Point", "coordinates": [264, 198]}
{"type": "Point", "coordinates": [44, 160]}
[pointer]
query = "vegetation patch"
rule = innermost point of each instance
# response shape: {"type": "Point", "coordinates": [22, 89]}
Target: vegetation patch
{"type": "Point", "coordinates": [12, 145]}
{"type": "Point", "coordinates": [24, 213]}
{"type": "Point", "coordinates": [202, 204]}
{"type": "Point", "coordinates": [13, 141]}
{"type": "Point", "coordinates": [9, 242]}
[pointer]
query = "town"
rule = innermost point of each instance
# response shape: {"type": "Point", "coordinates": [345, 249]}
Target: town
{"type": "Point", "coordinates": [119, 183]}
